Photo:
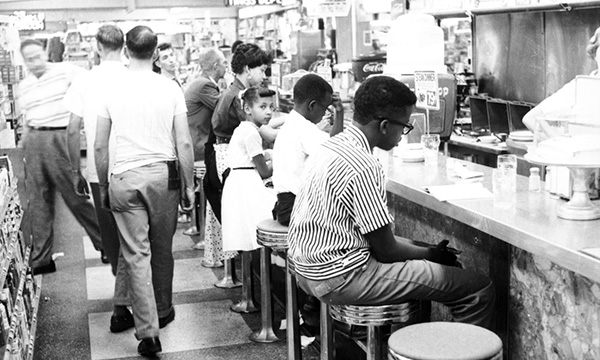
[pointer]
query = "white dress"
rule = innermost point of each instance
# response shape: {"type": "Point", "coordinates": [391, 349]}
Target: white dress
{"type": "Point", "coordinates": [246, 201]}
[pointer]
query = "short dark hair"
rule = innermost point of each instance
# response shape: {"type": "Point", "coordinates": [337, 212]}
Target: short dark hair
{"type": "Point", "coordinates": [311, 87]}
{"type": "Point", "coordinates": [28, 42]}
{"type": "Point", "coordinates": [248, 55]}
{"type": "Point", "coordinates": [253, 94]}
{"type": "Point", "coordinates": [141, 42]}
{"type": "Point", "coordinates": [111, 37]}
{"type": "Point", "coordinates": [164, 46]}
{"type": "Point", "coordinates": [380, 96]}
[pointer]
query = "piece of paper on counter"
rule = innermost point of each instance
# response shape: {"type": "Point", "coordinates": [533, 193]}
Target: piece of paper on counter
{"type": "Point", "coordinates": [593, 252]}
{"type": "Point", "coordinates": [464, 173]}
{"type": "Point", "coordinates": [459, 191]}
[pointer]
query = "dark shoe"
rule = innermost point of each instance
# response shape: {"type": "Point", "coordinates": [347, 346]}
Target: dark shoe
{"type": "Point", "coordinates": [148, 347]}
{"type": "Point", "coordinates": [164, 321]}
{"type": "Point", "coordinates": [45, 269]}
{"type": "Point", "coordinates": [103, 257]}
{"type": "Point", "coordinates": [120, 323]}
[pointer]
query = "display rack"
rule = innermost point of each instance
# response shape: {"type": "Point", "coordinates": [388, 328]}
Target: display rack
{"type": "Point", "coordinates": [19, 289]}
{"type": "Point", "coordinates": [11, 72]}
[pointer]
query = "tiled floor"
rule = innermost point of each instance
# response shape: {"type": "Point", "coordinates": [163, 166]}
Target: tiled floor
{"type": "Point", "coordinates": [74, 314]}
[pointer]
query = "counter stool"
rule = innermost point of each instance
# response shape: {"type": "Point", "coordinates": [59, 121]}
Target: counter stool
{"type": "Point", "coordinates": [444, 341]}
{"type": "Point", "coordinates": [294, 344]}
{"type": "Point", "coordinates": [273, 237]}
{"type": "Point", "coordinates": [292, 318]}
{"type": "Point", "coordinates": [246, 304]}
{"type": "Point", "coordinates": [374, 318]}
{"type": "Point", "coordinates": [199, 210]}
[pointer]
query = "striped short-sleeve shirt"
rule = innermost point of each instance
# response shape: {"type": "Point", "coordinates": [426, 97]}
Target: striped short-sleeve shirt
{"type": "Point", "coordinates": [342, 198]}
{"type": "Point", "coordinates": [41, 98]}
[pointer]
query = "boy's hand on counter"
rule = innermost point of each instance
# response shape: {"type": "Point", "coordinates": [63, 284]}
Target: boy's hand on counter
{"type": "Point", "coordinates": [444, 255]}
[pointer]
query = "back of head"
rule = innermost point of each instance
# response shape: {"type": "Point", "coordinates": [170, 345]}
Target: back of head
{"type": "Point", "coordinates": [381, 95]}
{"type": "Point", "coordinates": [311, 87]}
{"type": "Point", "coordinates": [249, 55]}
{"type": "Point", "coordinates": [593, 44]}
{"type": "Point", "coordinates": [141, 42]}
{"type": "Point", "coordinates": [111, 37]}
{"type": "Point", "coordinates": [209, 57]}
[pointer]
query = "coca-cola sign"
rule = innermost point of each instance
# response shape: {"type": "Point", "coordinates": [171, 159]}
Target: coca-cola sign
{"type": "Point", "coordinates": [373, 67]}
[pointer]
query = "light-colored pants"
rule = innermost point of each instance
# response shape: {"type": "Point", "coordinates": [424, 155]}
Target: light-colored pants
{"type": "Point", "coordinates": [146, 215]}
{"type": "Point", "coordinates": [470, 296]}
{"type": "Point", "coordinates": [48, 169]}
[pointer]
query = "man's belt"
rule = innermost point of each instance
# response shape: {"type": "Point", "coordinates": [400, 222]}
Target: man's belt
{"type": "Point", "coordinates": [48, 128]}
{"type": "Point", "coordinates": [222, 140]}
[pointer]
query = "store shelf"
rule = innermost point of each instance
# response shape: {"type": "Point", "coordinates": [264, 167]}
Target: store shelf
{"type": "Point", "coordinates": [36, 303]}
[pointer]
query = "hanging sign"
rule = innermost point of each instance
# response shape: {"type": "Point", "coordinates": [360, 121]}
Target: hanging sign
{"type": "Point", "coordinates": [327, 8]}
{"type": "Point", "coordinates": [426, 90]}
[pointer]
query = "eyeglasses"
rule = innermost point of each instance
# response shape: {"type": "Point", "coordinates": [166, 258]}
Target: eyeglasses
{"type": "Point", "coordinates": [406, 126]}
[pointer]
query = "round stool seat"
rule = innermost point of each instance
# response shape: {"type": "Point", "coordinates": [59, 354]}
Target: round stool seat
{"type": "Point", "coordinates": [270, 233]}
{"type": "Point", "coordinates": [444, 341]}
{"type": "Point", "coordinates": [199, 169]}
{"type": "Point", "coordinates": [380, 315]}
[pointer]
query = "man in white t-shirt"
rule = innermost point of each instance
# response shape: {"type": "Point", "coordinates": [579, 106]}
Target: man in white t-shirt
{"type": "Point", "coordinates": [146, 113]}
{"type": "Point", "coordinates": [82, 101]}
{"type": "Point", "coordinates": [299, 137]}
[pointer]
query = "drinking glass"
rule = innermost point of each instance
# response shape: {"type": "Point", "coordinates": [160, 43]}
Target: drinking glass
{"type": "Point", "coordinates": [431, 146]}
{"type": "Point", "coordinates": [505, 188]}
{"type": "Point", "coordinates": [507, 163]}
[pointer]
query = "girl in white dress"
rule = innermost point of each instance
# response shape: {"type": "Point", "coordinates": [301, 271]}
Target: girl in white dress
{"type": "Point", "coordinates": [246, 201]}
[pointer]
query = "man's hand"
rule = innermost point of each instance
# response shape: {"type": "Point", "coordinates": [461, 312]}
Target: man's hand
{"type": "Point", "coordinates": [187, 199]}
{"type": "Point", "coordinates": [104, 201]}
{"type": "Point", "coordinates": [337, 102]}
{"type": "Point", "coordinates": [80, 184]}
{"type": "Point", "coordinates": [444, 255]}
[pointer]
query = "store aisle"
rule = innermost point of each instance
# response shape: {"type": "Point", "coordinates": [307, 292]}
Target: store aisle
{"type": "Point", "coordinates": [75, 308]}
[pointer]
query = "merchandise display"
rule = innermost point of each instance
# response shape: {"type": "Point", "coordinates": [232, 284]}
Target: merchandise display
{"type": "Point", "coordinates": [20, 290]}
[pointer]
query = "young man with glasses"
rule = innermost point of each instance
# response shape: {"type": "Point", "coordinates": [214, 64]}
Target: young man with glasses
{"type": "Point", "coordinates": [341, 239]}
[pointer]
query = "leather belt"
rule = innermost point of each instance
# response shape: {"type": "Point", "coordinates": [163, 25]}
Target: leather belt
{"type": "Point", "coordinates": [48, 128]}
{"type": "Point", "coordinates": [222, 140]}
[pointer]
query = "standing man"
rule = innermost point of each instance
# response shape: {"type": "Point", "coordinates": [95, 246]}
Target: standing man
{"type": "Point", "coordinates": [83, 99]}
{"type": "Point", "coordinates": [341, 238]}
{"type": "Point", "coordinates": [201, 98]}
{"type": "Point", "coordinates": [46, 156]}
{"type": "Point", "coordinates": [166, 63]}
{"type": "Point", "coordinates": [147, 114]}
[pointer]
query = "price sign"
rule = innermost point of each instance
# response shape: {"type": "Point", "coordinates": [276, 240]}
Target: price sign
{"type": "Point", "coordinates": [426, 89]}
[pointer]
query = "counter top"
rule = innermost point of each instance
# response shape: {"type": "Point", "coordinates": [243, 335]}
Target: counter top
{"type": "Point", "coordinates": [473, 143]}
{"type": "Point", "coordinates": [531, 224]}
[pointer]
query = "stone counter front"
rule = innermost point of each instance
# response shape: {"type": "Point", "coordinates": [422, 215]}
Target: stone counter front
{"type": "Point", "coordinates": [544, 309]}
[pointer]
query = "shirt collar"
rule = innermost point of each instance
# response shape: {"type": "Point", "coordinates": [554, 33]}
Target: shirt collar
{"type": "Point", "coordinates": [355, 133]}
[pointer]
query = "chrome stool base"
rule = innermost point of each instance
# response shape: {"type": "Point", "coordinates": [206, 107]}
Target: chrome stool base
{"type": "Point", "coordinates": [230, 279]}
{"type": "Point", "coordinates": [246, 304]}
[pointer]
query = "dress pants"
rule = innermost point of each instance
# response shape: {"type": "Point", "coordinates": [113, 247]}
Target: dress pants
{"type": "Point", "coordinates": [146, 215]}
{"type": "Point", "coordinates": [108, 229]}
{"type": "Point", "coordinates": [111, 247]}
{"type": "Point", "coordinates": [47, 168]}
{"type": "Point", "coordinates": [469, 295]}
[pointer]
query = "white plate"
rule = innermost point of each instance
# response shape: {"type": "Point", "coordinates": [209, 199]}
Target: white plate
{"type": "Point", "coordinates": [523, 135]}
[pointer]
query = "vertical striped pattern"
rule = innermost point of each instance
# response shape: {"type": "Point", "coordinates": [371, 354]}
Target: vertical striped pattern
{"type": "Point", "coordinates": [41, 99]}
{"type": "Point", "coordinates": [342, 198]}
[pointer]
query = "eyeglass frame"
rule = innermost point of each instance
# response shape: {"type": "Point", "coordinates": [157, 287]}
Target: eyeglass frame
{"type": "Point", "coordinates": [406, 126]}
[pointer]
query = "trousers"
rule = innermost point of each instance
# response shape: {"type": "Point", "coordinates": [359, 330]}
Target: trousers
{"type": "Point", "coordinates": [47, 168]}
{"type": "Point", "coordinates": [470, 296]}
{"type": "Point", "coordinates": [146, 215]}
